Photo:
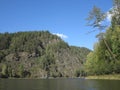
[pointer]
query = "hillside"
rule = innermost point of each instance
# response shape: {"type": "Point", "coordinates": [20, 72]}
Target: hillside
{"type": "Point", "coordinates": [39, 55]}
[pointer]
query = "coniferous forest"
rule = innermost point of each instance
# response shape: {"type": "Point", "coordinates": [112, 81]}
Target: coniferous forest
{"type": "Point", "coordinates": [39, 55]}
{"type": "Point", "coordinates": [105, 58]}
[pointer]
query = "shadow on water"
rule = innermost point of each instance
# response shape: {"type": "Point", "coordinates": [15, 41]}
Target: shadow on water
{"type": "Point", "coordinates": [58, 84]}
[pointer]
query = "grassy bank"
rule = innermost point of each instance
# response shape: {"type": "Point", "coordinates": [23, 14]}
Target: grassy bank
{"type": "Point", "coordinates": [109, 77]}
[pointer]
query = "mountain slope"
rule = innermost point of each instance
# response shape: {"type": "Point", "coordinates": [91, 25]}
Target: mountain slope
{"type": "Point", "coordinates": [39, 55]}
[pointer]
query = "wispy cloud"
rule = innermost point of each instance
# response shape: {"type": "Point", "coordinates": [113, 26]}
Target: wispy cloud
{"type": "Point", "coordinates": [60, 35]}
{"type": "Point", "coordinates": [109, 16]}
{"type": "Point", "coordinates": [111, 13]}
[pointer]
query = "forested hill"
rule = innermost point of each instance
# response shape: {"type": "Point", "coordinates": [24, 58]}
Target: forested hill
{"type": "Point", "coordinates": [39, 55]}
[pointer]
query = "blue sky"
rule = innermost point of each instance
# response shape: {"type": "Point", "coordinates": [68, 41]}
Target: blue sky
{"type": "Point", "coordinates": [66, 17]}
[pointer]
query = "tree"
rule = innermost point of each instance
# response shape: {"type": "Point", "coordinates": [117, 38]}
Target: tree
{"type": "Point", "coordinates": [105, 58]}
{"type": "Point", "coordinates": [95, 18]}
{"type": "Point", "coordinates": [115, 12]}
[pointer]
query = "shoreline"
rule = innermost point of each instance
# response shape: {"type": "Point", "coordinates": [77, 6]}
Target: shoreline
{"type": "Point", "coordinates": [101, 77]}
{"type": "Point", "coordinates": [106, 77]}
{"type": "Point", "coordinates": [48, 78]}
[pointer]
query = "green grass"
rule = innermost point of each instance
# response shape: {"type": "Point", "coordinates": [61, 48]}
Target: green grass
{"type": "Point", "coordinates": [109, 77]}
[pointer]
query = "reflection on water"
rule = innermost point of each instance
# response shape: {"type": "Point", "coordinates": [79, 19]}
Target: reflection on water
{"type": "Point", "coordinates": [58, 84]}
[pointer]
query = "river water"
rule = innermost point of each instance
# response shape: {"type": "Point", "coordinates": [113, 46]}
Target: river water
{"type": "Point", "coordinates": [58, 84]}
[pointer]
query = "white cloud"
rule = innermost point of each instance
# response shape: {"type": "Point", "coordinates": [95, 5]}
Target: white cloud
{"type": "Point", "coordinates": [111, 13]}
{"type": "Point", "coordinates": [109, 16]}
{"type": "Point", "coordinates": [60, 35]}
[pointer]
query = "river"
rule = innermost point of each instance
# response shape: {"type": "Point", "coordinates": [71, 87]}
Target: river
{"type": "Point", "coordinates": [58, 84]}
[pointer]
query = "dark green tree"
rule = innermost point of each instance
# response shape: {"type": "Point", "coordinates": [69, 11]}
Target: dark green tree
{"type": "Point", "coordinates": [105, 57]}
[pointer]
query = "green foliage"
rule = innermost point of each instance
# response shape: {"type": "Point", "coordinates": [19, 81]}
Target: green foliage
{"type": "Point", "coordinates": [81, 52]}
{"type": "Point", "coordinates": [5, 41]}
{"type": "Point", "coordinates": [46, 61]}
{"type": "Point", "coordinates": [21, 71]}
{"type": "Point", "coordinates": [4, 71]}
{"type": "Point", "coordinates": [115, 41]}
{"type": "Point", "coordinates": [96, 16]}
{"type": "Point", "coordinates": [101, 60]}
{"type": "Point", "coordinates": [38, 54]}
{"type": "Point", "coordinates": [2, 55]}
{"type": "Point", "coordinates": [80, 73]}
{"type": "Point", "coordinates": [116, 13]}
{"type": "Point", "coordinates": [105, 59]}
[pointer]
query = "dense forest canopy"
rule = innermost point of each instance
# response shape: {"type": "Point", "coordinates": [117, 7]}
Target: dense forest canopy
{"type": "Point", "coordinates": [39, 54]}
{"type": "Point", "coordinates": [105, 59]}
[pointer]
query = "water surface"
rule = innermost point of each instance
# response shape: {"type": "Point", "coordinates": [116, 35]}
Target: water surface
{"type": "Point", "coordinates": [58, 84]}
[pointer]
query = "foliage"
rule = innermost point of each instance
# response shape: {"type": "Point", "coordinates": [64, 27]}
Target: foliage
{"type": "Point", "coordinates": [38, 54]}
{"type": "Point", "coordinates": [105, 59]}
{"type": "Point", "coordinates": [95, 18]}
{"type": "Point", "coordinates": [3, 71]}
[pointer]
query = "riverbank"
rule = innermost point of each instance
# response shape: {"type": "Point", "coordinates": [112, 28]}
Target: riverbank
{"type": "Point", "coordinates": [109, 77]}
